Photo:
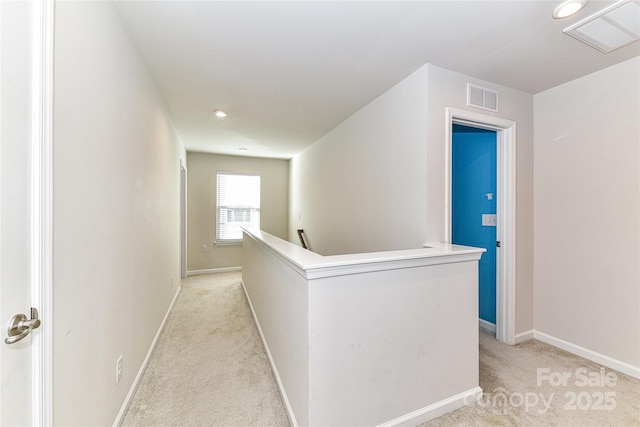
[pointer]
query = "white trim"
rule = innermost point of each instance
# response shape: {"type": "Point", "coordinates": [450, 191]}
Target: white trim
{"type": "Point", "coordinates": [524, 336]}
{"type": "Point", "coordinates": [437, 409]}
{"type": "Point", "coordinates": [506, 272]}
{"type": "Point", "coordinates": [213, 271]}
{"type": "Point", "coordinates": [134, 386]}
{"type": "Point", "coordinates": [311, 265]}
{"type": "Point", "coordinates": [42, 34]}
{"type": "Point", "coordinates": [274, 369]}
{"type": "Point", "coordinates": [602, 359]}
{"type": "Point", "coordinates": [229, 242]}
{"type": "Point", "coordinates": [183, 220]}
{"type": "Point", "coordinates": [506, 210]}
{"type": "Point", "coordinates": [321, 272]}
{"type": "Point", "coordinates": [487, 326]}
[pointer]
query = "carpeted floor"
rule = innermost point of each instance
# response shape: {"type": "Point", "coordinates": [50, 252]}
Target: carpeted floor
{"type": "Point", "coordinates": [535, 384]}
{"type": "Point", "coordinates": [209, 369]}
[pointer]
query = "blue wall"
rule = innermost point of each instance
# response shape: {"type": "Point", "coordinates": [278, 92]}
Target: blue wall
{"type": "Point", "coordinates": [473, 176]}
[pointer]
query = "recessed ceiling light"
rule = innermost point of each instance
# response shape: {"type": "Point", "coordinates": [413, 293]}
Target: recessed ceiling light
{"type": "Point", "coordinates": [242, 149]}
{"type": "Point", "coordinates": [568, 8]}
{"type": "Point", "coordinates": [220, 113]}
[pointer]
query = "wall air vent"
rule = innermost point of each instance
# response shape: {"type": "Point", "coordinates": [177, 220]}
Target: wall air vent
{"type": "Point", "coordinates": [480, 97]}
{"type": "Point", "coordinates": [611, 28]}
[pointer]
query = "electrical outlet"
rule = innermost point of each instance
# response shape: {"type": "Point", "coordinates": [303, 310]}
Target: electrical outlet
{"type": "Point", "coordinates": [118, 369]}
{"type": "Point", "coordinates": [204, 248]}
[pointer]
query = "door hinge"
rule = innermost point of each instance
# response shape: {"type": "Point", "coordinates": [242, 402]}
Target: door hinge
{"type": "Point", "coordinates": [498, 244]}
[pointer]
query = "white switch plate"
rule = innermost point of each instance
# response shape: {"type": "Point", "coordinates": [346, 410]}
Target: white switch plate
{"type": "Point", "coordinates": [489, 220]}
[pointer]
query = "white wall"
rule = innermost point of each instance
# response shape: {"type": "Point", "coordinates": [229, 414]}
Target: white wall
{"type": "Point", "coordinates": [377, 181]}
{"type": "Point", "coordinates": [201, 200]}
{"type": "Point", "coordinates": [362, 187]}
{"type": "Point", "coordinates": [279, 299]}
{"type": "Point", "coordinates": [385, 344]}
{"type": "Point", "coordinates": [116, 213]}
{"type": "Point", "coordinates": [587, 212]}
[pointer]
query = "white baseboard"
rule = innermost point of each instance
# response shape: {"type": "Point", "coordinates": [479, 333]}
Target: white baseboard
{"type": "Point", "coordinates": [487, 326]}
{"type": "Point", "coordinates": [524, 336]}
{"type": "Point", "coordinates": [287, 405]}
{"type": "Point", "coordinates": [436, 410]}
{"type": "Point", "coordinates": [213, 271]}
{"type": "Point", "coordinates": [607, 361]}
{"type": "Point", "coordinates": [143, 367]}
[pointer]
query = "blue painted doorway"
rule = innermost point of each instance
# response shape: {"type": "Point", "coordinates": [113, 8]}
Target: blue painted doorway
{"type": "Point", "coordinates": [473, 205]}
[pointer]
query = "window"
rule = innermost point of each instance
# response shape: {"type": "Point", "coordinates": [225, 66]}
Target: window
{"type": "Point", "coordinates": [238, 205]}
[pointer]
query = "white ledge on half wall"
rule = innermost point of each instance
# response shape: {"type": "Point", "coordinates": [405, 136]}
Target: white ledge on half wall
{"type": "Point", "coordinates": [382, 338]}
{"type": "Point", "coordinates": [311, 265]}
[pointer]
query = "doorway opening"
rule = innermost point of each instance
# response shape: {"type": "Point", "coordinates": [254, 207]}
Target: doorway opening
{"type": "Point", "coordinates": [473, 208]}
{"type": "Point", "coordinates": [505, 131]}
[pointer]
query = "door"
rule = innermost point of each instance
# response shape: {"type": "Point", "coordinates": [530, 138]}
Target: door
{"type": "Point", "coordinates": [15, 96]}
{"type": "Point", "coordinates": [21, 221]}
{"type": "Point", "coordinates": [474, 198]}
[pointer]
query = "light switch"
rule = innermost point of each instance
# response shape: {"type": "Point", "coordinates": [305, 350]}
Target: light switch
{"type": "Point", "coordinates": [489, 220]}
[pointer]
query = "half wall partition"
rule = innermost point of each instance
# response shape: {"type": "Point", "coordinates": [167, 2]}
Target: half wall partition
{"type": "Point", "coordinates": [385, 338]}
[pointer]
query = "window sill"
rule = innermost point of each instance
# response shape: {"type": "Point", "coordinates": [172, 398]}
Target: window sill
{"type": "Point", "coordinates": [228, 242]}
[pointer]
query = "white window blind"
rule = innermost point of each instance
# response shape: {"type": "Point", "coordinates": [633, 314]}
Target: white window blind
{"type": "Point", "coordinates": [238, 205]}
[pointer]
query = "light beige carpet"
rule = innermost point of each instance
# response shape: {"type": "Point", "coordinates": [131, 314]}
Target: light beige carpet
{"type": "Point", "coordinates": [535, 384]}
{"type": "Point", "coordinates": [209, 369]}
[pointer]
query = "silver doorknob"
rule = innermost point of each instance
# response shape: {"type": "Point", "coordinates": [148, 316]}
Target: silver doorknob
{"type": "Point", "coordinates": [20, 326]}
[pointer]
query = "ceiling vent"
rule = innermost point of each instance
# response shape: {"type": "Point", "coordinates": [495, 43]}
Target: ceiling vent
{"type": "Point", "coordinates": [480, 97]}
{"type": "Point", "coordinates": [611, 28]}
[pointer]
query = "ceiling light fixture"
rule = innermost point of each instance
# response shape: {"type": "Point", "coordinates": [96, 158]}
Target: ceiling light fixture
{"type": "Point", "coordinates": [568, 8]}
{"type": "Point", "coordinates": [242, 149]}
{"type": "Point", "coordinates": [220, 114]}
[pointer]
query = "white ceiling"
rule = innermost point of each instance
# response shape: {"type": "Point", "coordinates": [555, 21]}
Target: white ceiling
{"type": "Point", "coordinates": [289, 72]}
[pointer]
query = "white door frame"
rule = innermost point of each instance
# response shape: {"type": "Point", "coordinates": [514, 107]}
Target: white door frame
{"type": "Point", "coordinates": [42, 209]}
{"type": "Point", "coordinates": [183, 220]}
{"type": "Point", "coordinates": [506, 211]}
